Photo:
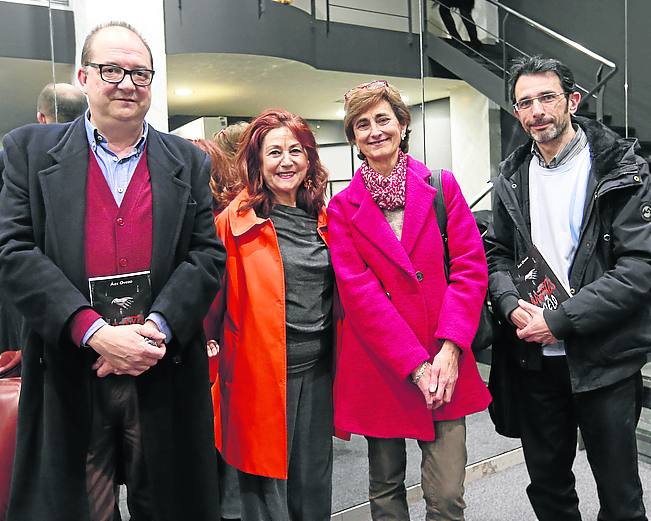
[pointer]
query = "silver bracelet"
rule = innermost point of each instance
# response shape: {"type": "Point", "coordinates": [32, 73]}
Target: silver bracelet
{"type": "Point", "coordinates": [420, 372]}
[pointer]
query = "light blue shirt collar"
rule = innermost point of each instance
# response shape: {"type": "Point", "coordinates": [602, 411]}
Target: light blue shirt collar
{"type": "Point", "coordinates": [95, 137]}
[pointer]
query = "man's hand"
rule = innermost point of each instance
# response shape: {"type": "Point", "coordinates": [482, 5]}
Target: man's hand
{"type": "Point", "coordinates": [212, 347]}
{"type": "Point", "coordinates": [537, 329]}
{"type": "Point", "coordinates": [123, 302]}
{"type": "Point", "coordinates": [125, 350]}
{"type": "Point", "coordinates": [520, 317]}
{"type": "Point", "coordinates": [445, 371]}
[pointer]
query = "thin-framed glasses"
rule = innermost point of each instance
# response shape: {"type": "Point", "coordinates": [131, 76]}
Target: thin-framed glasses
{"type": "Point", "coordinates": [371, 85]}
{"type": "Point", "coordinates": [545, 99]}
{"type": "Point", "coordinates": [115, 74]}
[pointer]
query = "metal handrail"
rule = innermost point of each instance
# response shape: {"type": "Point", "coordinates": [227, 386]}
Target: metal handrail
{"type": "Point", "coordinates": [408, 17]}
{"type": "Point", "coordinates": [554, 34]}
{"type": "Point", "coordinates": [596, 91]}
{"type": "Point", "coordinates": [487, 190]}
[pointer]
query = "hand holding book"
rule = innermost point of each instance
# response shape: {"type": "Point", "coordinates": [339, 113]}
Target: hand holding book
{"type": "Point", "coordinates": [537, 329]}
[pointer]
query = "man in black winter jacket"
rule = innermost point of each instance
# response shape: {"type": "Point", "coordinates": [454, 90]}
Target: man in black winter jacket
{"type": "Point", "coordinates": [582, 197]}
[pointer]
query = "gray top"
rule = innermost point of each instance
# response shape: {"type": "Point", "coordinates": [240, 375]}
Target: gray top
{"type": "Point", "coordinates": [309, 284]}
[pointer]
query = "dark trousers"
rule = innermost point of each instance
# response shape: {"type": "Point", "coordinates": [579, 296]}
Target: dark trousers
{"type": "Point", "coordinates": [607, 417]}
{"type": "Point", "coordinates": [115, 452]}
{"type": "Point", "coordinates": [229, 490]}
{"type": "Point", "coordinates": [466, 18]}
{"type": "Point", "coordinates": [306, 495]}
{"type": "Point", "coordinates": [443, 470]}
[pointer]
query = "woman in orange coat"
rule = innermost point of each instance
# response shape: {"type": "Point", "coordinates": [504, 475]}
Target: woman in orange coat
{"type": "Point", "coordinates": [273, 399]}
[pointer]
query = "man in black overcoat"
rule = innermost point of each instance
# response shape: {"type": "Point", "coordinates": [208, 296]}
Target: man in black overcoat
{"type": "Point", "coordinates": [105, 403]}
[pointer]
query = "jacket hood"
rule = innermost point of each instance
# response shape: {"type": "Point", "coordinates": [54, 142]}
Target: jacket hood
{"type": "Point", "coordinates": [607, 149]}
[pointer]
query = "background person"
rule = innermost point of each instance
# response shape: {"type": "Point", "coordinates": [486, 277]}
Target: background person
{"type": "Point", "coordinates": [583, 197]}
{"type": "Point", "coordinates": [70, 103]}
{"type": "Point", "coordinates": [228, 139]}
{"type": "Point", "coordinates": [405, 367]}
{"type": "Point", "coordinates": [99, 402]}
{"type": "Point", "coordinates": [224, 185]}
{"type": "Point", "coordinates": [465, 8]}
{"type": "Point", "coordinates": [273, 402]}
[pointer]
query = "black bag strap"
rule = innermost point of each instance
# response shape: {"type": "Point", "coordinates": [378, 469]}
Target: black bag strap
{"type": "Point", "coordinates": [441, 217]}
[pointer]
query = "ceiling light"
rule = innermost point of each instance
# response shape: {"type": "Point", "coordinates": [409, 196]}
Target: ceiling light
{"type": "Point", "coordinates": [184, 91]}
{"type": "Point", "coordinates": [341, 113]}
{"type": "Point", "coordinates": [284, 2]}
{"type": "Point", "coordinates": [405, 98]}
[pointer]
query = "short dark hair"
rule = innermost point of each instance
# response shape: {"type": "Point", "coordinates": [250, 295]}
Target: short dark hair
{"type": "Point", "coordinates": [88, 42]}
{"type": "Point", "coordinates": [540, 65]}
{"type": "Point", "coordinates": [70, 101]}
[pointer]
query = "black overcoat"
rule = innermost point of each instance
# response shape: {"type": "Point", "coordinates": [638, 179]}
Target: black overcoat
{"type": "Point", "coordinates": [42, 270]}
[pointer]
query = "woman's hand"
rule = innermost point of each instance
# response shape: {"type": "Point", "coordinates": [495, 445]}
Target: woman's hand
{"type": "Point", "coordinates": [212, 347]}
{"type": "Point", "coordinates": [444, 373]}
{"type": "Point", "coordinates": [421, 376]}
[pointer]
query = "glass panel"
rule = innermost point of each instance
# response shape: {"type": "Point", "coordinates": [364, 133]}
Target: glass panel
{"type": "Point", "coordinates": [25, 63]}
{"type": "Point", "coordinates": [462, 128]}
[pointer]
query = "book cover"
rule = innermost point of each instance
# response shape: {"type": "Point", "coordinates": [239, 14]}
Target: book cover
{"type": "Point", "coordinates": [536, 282]}
{"type": "Point", "coordinates": [122, 299]}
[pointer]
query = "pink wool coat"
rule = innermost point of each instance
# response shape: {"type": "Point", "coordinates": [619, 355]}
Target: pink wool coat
{"type": "Point", "coordinates": [398, 306]}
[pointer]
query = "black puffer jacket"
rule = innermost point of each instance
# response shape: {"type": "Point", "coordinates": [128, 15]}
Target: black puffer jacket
{"type": "Point", "coordinates": [606, 325]}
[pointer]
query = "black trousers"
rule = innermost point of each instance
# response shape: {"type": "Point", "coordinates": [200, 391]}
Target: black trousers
{"type": "Point", "coordinates": [465, 11]}
{"type": "Point", "coordinates": [550, 414]}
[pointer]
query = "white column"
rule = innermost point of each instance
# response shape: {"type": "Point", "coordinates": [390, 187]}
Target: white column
{"type": "Point", "coordinates": [147, 17]}
{"type": "Point", "coordinates": [470, 142]}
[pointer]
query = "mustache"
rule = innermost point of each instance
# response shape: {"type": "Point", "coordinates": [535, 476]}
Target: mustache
{"type": "Point", "coordinates": [541, 121]}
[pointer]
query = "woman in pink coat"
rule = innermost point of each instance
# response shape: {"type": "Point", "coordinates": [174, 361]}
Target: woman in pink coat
{"type": "Point", "coordinates": [405, 367]}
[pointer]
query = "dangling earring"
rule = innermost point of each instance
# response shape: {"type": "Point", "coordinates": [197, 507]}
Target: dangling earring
{"type": "Point", "coordinates": [307, 183]}
{"type": "Point", "coordinates": [403, 134]}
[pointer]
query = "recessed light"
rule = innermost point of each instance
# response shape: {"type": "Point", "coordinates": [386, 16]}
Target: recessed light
{"type": "Point", "coordinates": [184, 91]}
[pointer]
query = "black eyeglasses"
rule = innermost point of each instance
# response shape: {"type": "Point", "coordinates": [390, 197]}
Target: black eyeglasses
{"type": "Point", "coordinates": [114, 74]}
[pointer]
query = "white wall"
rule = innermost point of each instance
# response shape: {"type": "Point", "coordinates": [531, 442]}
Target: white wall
{"type": "Point", "coordinates": [470, 139]}
{"type": "Point", "coordinates": [435, 149]}
{"type": "Point", "coordinates": [147, 17]}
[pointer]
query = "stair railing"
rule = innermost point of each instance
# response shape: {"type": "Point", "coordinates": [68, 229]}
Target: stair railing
{"type": "Point", "coordinates": [408, 17]}
{"type": "Point", "coordinates": [596, 92]}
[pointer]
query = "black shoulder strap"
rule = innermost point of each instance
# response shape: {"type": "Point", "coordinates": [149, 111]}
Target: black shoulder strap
{"type": "Point", "coordinates": [441, 216]}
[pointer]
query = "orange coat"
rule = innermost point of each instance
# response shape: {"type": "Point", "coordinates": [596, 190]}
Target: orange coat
{"type": "Point", "coordinates": [249, 395]}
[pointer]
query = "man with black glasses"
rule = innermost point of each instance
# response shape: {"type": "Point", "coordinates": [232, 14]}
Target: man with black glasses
{"type": "Point", "coordinates": [572, 233]}
{"type": "Point", "coordinates": [107, 247]}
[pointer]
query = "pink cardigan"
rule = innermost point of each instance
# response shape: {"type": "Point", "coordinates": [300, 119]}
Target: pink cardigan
{"type": "Point", "coordinates": [398, 306]}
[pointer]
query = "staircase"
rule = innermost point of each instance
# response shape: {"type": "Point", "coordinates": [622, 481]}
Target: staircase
{"type": "Point", "coordinates": [486, 69]}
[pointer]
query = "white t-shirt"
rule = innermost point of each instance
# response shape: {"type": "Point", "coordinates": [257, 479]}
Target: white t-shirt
{"type": "Point", "coordinates": [556, 202]}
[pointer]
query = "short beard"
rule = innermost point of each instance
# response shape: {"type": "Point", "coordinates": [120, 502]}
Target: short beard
{"type": "Point", "coordinates": [550, 134]}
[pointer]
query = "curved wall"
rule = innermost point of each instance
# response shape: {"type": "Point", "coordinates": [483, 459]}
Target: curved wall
{"type": "Point", "coordinates": [205, 26]}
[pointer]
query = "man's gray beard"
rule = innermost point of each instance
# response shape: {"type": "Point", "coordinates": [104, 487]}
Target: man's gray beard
{"type": "Point", "coordinates": [549, 134]}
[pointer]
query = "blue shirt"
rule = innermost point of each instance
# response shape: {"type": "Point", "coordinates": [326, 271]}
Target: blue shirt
{"type": "Point", "coordinates": [118, 173]}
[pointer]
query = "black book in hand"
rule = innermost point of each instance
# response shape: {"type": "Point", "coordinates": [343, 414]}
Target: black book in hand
{"type": "Point", "coordinates": [536, 282]}
{"type": "Point", "coordinates": [121, 299]}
